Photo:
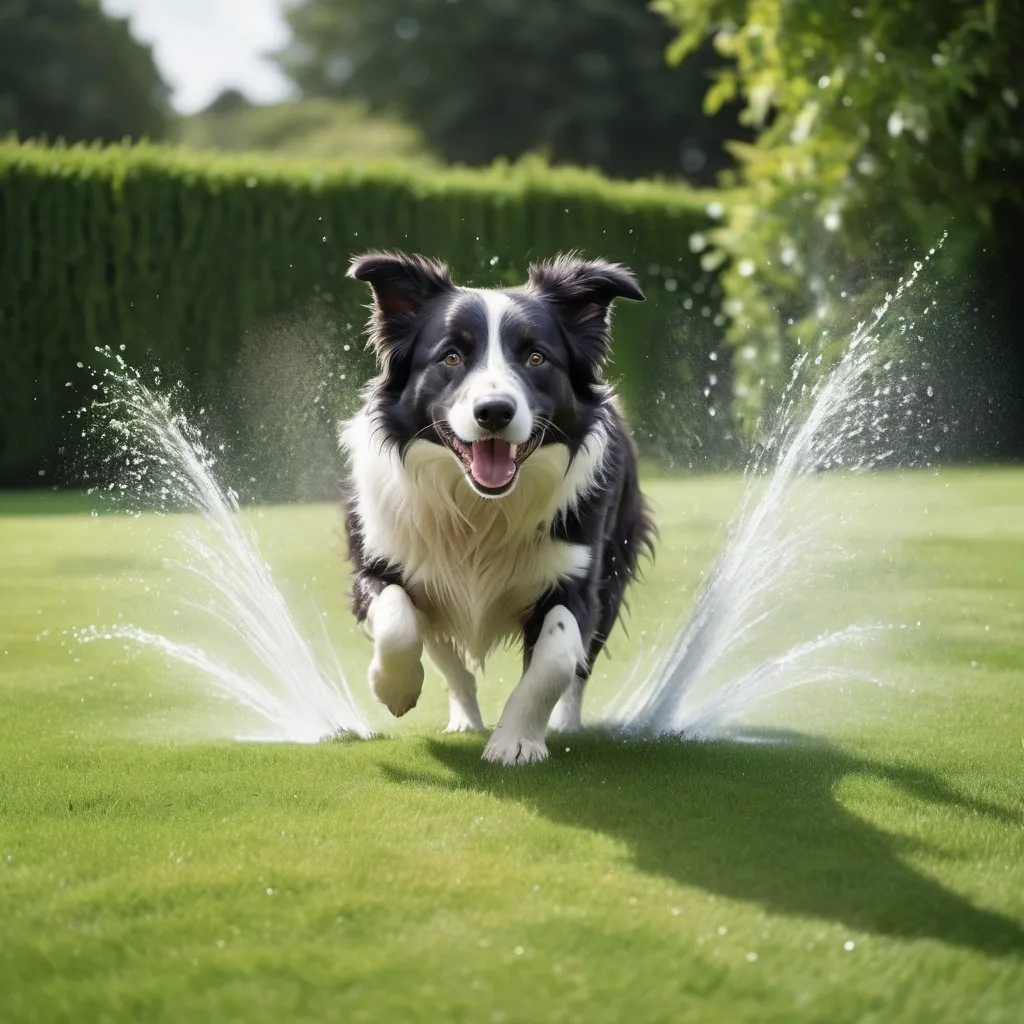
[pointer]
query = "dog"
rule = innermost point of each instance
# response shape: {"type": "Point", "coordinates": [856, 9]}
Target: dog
{"type": "Point", "coordinates": [492, 490]}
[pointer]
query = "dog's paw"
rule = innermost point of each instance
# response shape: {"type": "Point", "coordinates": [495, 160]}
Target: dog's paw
{"type": "Point", "coordinates": [464, 719]}
{"type": "Point", "coordinates": [464, 725]}
{"type": "Point", "coordinates": [565, 719]}
{"type": "Point", "coordinates": [512, 750]}
{"type": "Point", "coordinates": [397, 683]}
{"type": "Point", "coordinates": [396, 671]}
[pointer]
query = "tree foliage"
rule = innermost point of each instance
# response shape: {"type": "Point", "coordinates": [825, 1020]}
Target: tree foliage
{"type": "Point", "coordinates": [880, 126]}
{"type": "Point", "coordinates": [67, 71]}
{"type": "Point", "coordinates": [319, 128]}
{"type": "Point", "coordinates": [580, 81]}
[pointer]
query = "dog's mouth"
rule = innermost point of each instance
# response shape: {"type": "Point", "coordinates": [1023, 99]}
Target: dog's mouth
{"type": "Point", "coordinates": [490, 463]}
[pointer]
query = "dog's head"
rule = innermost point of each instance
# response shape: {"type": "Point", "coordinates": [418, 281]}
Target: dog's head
{"type": "Point", "coordinates": [490, 375]}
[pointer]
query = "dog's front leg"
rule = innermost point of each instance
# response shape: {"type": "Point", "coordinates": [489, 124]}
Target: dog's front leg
{"type": "Point", "coordinates": [559, 650]}
{"type": "Point", "coordinates": [396, 671]}
{"type": "Point", "coordinates": [463, 709]}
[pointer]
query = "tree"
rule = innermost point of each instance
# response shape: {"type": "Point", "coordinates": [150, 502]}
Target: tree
{"type": "Point", "coordinates": [67, 71]}
{"type": "Point", "coordinates": [581, 81]}
{"type": "Point", "coordinates": [880, 126]}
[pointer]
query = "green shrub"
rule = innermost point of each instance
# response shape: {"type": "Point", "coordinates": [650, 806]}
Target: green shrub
{"type": "Point", "coordinates": [881, 126]}
{"type": "Point", "coordinates": [202, 263]}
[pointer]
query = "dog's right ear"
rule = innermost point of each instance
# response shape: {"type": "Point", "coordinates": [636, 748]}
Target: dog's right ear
{"type": "Point", "coordinates": [401, 283]}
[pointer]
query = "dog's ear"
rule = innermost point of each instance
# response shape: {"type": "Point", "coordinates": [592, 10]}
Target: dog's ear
{"type": "Point", "coordinates": [401, 283]}
{"type": "Point", "coordinates": [583, 289]}
{"type": "Point", "coordinates": [581, 293]}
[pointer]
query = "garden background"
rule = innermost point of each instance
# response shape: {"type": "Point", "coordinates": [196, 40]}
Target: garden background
{"type": "Point", "coordinates": [771, 170]}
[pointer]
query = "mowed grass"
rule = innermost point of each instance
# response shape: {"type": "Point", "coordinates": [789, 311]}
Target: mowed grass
{"type": "Point", "coordinates": [871, 867]}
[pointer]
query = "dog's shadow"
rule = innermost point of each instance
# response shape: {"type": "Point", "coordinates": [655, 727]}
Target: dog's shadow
{"type": "Point", "coordinates": [756, 821]}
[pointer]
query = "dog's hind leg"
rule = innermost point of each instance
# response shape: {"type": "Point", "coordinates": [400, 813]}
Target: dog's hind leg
{"type": "Point", "coordinates": [553, 663]}
{"type": "Point", "coordinates": [463, 709]}
{"type": "Point", "coordinates": [567, 714]}
{"type": "Point", "coordinates": [396, 671]}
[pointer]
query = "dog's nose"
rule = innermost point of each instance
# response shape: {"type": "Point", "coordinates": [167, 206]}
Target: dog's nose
{"type": "Point", "coordinates": [494, 413]}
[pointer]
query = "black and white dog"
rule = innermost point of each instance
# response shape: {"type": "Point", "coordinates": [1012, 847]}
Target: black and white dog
{"type": "Point", "coordinates": [493, 488]}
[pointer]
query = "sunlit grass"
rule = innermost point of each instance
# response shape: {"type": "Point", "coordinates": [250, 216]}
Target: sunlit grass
{"type": "Point", "coordinates": [870, 868]}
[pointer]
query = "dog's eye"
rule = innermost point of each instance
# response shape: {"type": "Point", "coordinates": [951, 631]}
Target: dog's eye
{"type": "Point", "coordinates": [452, 359]}
{"type": "Point", "coordinates": [536, 359]}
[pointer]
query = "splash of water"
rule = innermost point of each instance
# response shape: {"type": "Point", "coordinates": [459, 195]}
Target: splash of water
{"type": "Point", "coordinates": [853, 418]}
{"type": "Point", "coordinates": [297, 697]}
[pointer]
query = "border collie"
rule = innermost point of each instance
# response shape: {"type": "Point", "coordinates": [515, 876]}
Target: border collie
{"type": "Point", "coordinates": [492, 492]}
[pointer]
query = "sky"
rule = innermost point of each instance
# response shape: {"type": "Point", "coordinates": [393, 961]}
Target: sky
{"type": "Point", "coordinates": [205, 46]}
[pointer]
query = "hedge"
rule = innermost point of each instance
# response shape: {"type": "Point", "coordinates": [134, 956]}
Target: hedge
{"type": "Point", "coordinates": [188, 260]}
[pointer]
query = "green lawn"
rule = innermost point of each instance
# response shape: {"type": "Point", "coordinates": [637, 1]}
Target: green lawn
{"type": "Point", "coordinates": [870, 868]}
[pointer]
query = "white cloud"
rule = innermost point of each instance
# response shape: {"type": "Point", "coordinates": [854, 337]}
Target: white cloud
{"type": "Point", "coordinates": [205, 46]}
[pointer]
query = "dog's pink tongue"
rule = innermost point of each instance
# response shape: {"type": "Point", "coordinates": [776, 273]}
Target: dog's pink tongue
{"type": "Point", "coordinates": [492, 465]}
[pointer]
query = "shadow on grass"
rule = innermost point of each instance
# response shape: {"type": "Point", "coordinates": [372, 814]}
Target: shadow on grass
{"type": "Point", "coordinates": [751, 821]}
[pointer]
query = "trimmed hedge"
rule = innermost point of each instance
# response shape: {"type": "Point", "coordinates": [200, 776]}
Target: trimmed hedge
{"type": "Point", "coordinates": [182, 257]}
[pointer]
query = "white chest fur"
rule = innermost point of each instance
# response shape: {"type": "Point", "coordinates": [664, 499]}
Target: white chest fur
{"type": "Point", "coordinates": [473, 565]}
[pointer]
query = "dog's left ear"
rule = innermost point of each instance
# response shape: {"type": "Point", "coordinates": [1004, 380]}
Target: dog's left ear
{"type": "Point", "coordinates": [581, 292]}
{"type": "Point", "coordinates": [583, 289]}
{"type": "Point", "coordinates": [401, 283]}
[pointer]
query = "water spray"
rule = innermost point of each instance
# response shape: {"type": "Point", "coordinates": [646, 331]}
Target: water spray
{"type": "Point", "coordinates": [296, 696]}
